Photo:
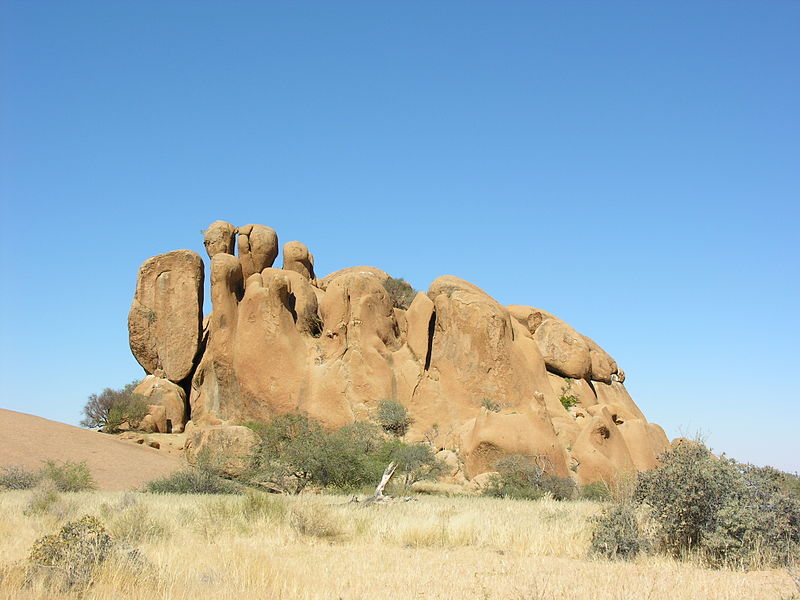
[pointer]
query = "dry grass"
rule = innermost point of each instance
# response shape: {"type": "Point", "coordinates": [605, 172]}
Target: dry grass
{"type": "Point", "coordinates": [312, 547]}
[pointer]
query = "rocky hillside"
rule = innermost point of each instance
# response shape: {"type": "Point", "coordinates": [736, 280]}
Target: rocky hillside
{"type": "Point", "coordinates": [479, 378]}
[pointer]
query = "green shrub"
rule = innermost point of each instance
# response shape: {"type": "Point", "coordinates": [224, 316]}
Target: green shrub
{"type": "Point", "coordinates": [15, 477]}
{"type": "Point", "coordinates": [791, 483]}
{"type": "Point", "coordinates": [68, 559]}
{"type": "Point", "coordinates": [194, 481]}
{"type": "Point", "coordinates": [617, 534]}
{"type": "Point", "coordinates": [597, 491]}
{"type": "Point", "coordinates": [257, 426]}
{"type": "Point", "coordinates": [296, 451]}
{"type": "Point", "coordinates": [289, 454]}
{"type": "Point", "coordinates": [131, 412]}
{"type": "Point", "coordinates": [787, 482]}
{"type": "Point", "coordinates": [415, 462]}
{"type": "Point", "coordinates": [68, 476]}
{"type": "Point", "coordinates": [490, 405]}
{"type": "Point", "coordinates": [561, 488]}
{"type": "Point", "coordinates": [41, 500]}
{"type": "Point", "coordinates": [568, 399]}
{"type": "Point", "coordinates": [731, 514]}
{"type": "Point", "coordinates": [393, 417]}
{"type": "Point", "coordinates": [525, 478]}
{"type": "Point", "coordinates": [400, 291]}
{"type": "Point", "coordinates": [111, 408]}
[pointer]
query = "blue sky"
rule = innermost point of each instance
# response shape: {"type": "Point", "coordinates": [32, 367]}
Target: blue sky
{"type": "Point", "coordinates": [633, 167]}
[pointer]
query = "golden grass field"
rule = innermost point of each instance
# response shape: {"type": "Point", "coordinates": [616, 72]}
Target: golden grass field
{"type": "Point", "coordinates": [320, 546]}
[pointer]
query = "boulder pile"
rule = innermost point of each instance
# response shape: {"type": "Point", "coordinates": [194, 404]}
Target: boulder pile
{"type": "Point", "coordinates": [480, 380]}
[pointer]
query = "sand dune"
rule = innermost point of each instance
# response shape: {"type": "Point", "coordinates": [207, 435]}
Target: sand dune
{"type": "Point", "coordinates": [28, 440]}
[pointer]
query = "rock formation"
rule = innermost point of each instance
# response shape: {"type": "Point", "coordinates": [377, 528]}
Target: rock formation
{"type": "Point", "coordinates": [480, 380]}
{"type": "Point", "coordinates": [219, 238]}
{"type": "Point", "coordinates": [165, 319]}
{"type": "Point", "coordinates": [296, 257]}
{"type": "Point", "coordinates": [258, 247]}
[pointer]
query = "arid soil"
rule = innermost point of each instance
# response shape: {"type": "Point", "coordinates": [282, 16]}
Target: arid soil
{"type": "Point", "coordinates": [116, 464]}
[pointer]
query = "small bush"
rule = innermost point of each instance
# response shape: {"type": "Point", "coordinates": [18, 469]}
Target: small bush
{"type": "Point", "coordinates": [393, 417]}
{"type": "Point", "coordinates": [41, 500]}
{"type": "Point", "coordinates": [296, 451]}
{"type": "Point", "coordinates": [729, 513]}
{"type": "Point", "coordinates": [68, 559]}
{"type": "Point", "coordinates": [258, 427]}
{"type": "Point", "coordinates": [597, 491]}
{"type": "Point", "coordinates": [525, 478]}
{"type": "Point", "coordinates": [193, 481]}
{"type": "Point", "coordinates": [617, 535]}
{"type": "Point", "coordinates": [791, 483]}
{"type": "Point", "coordinates": [68, 476]}
{"type": "Point", "coordinates": [111, 408]}
{"type": "Point", "coordinates": [15, 477]}
{"type": "Point", "coordinates": [415, 462]}
{"type": "Point", "coordinates": [258, 505]}
{"type": "Point", "coordinates": [567, 398]}
{"type": "Point", "coordinates": [134, 523]}
{"type": "Point", "coordinates": [490, 405]}
{"type": "Point", "coordinates": [289, 455]}
{"type": "Point", "coordinates": [400, 291]}
{"type": "Point", "coordinates": [315, 520]}
{"type": "Point", "coordinates": [561, 488]}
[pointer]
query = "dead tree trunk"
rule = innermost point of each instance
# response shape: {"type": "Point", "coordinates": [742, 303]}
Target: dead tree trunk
{"type": "Point", "coordinates": [387, 475]}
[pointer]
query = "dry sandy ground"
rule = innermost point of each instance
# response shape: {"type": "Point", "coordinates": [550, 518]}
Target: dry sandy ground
{"type": "Point", "coordinates": [115, 464]}
{"type": "Point", "coordinates": [320, 547]}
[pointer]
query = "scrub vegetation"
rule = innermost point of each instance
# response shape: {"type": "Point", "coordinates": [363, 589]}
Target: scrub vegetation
{"type": "Point", "coordinates": [697, 527]}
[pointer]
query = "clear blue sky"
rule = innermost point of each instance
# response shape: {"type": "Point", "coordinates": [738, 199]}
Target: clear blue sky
{"type": "Point", "coordinates": [633, 167]}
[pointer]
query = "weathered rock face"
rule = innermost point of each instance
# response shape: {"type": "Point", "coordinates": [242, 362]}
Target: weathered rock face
{"type": "Point", "coordinates": [166, 316]}
{"type": "Point", "coordinates": [296, 257]}
{"type": "Point", "coordinates": [220, 237]}
{"type": "Point", "coordinates": [603, 367]}
{"type": "Point", "coordinates": [480, 380]}
{"type": "Point", "coordinates": [167, 404]}
{"type": "Point", "coordinates": [258, 248]}
{"type": "Point", "coordinates": [564, 350]}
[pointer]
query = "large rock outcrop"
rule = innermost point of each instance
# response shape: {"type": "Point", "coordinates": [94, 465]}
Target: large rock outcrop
{"type": "Point", "coordinates": [480, 380]}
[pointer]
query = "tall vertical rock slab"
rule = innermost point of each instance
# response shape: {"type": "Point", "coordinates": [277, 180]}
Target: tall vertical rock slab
{"type": "Point", "coordinates": [270, 356]}
{"type": "Point", "coordinates": [214, 385]}
{"type": "Point", "coordinates": [165, 320]}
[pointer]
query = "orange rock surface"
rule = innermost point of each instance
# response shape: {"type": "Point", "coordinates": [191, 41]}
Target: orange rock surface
{"type": "Point", "coordinates": [479, 379]}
